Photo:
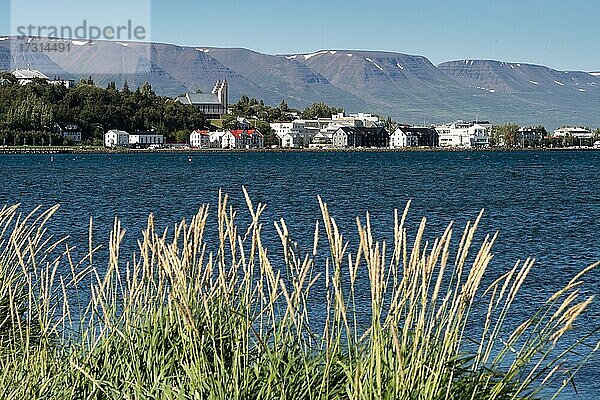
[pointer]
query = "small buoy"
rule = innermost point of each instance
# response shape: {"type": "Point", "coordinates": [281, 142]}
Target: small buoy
{"type": "Point", "coordinates": [189, 159]}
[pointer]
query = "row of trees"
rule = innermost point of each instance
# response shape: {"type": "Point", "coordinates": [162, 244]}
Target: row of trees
{"type": "Point", "coordinates": [257, 109]}
{"type": "Point", "coordinates": [28, 112]}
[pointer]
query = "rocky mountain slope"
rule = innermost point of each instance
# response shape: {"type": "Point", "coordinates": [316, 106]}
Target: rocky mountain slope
{"type": "Point", "coordinates": [407, 87]}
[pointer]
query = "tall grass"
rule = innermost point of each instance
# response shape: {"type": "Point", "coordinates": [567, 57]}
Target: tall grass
{"type": "Point", "coordinates": [187, 319]}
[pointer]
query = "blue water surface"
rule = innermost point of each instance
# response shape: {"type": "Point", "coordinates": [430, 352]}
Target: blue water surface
{"type": "Point", "coordinates": [543, 204]}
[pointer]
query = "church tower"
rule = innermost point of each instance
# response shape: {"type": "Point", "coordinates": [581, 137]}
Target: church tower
{"type": "Point", "coordinates": [221, 90]}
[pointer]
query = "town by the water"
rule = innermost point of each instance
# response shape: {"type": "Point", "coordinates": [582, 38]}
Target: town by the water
{"type": "Point", "coordinates": [229, 127]}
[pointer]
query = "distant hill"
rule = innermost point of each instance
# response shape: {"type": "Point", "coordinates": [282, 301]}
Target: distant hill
{"type": "Point", "coordinates": [407, 87]}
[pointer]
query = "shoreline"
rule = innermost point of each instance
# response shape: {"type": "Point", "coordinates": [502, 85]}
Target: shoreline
{"type": "Point", "coordinates": [84, 150]}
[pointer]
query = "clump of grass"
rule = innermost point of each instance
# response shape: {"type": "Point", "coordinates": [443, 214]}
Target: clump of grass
{"type": "Point", "coordinates": [187, 319]}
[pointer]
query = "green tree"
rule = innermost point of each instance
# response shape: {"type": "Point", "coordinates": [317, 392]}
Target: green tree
{"type": "Point", "coordinates": [230, 122]}
{"type": "Point", "coordinates": [320, 110]}
{"type": "Point", "coordinates": [505, 135]}
{"type": "Point", "coordinates": [283, 106]}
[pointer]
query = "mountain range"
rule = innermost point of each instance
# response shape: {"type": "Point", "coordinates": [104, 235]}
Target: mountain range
{"type": "Point", "coordinates": [408, 88]}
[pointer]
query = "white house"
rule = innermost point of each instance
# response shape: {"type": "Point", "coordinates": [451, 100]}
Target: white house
{"type": "Point", "coordinates": [463, 134]}
{"type": "Point", "coordinates": [116, 138]}
{"type": "Point", "coordinates": [581, 133]}
{"type": "Point", "coordinates": [368, 120]}
{"type": "Point", "coordinates": [146, 139]}
{"type": "Point", "coordinates": [321, 140]}
{"type": "Point", "coordinates": [25, 76]}
{"type": "Point", "coordinates": [200, 139]}
{"type": "Point", "coordinates": [480, 136]}
{"type": "Point", "coordinates": [242, 139]}
{"type": "Point", "coordinates": [401, 138]}
{"type": "Point", "coordinates": [215, 139]}
{"type": "Point", "coordinates": [282, 128]}
{"type": "Point", "coordinates": [231, 141]}
{"type": "Point", "coordinates": [69, 131]}
{"type": "Point", "coordinates": [290, 140]}
{"type": "Point", "coordinates": [243, 123]}
{"type": "Point", "coordinates": [303, 130]}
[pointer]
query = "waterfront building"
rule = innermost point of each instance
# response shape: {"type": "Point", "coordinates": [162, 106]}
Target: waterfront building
{"type": "Point", "coordinates": [303, 130]}
{"type": "Point", "coordinates": [216, 139]}
{"type": "Point", "coordinates": [352, 137]}
{"type": "Point", "coordinates": [116, 138]}
{"type": "Point", "coordinates": [243, 123]}
{"type": "Point", "coordinates": [213, 105]}
{"type": "Point", "coordinates": [346, 137]}
{"type": "Point", "coordinates": [402, 137]}
{"type": "Point", "coordinates": [374, 137]}
{"type": "Point", "coordinates": [69, 131]}
{"type": "Point", "coordinates": [530, 136]}
{"type": "Point", "coordinates": [464, 134]}
{"type": "Point", "coordinates": [291, 140]}
{"type": "Point", "coordinates": [321, 140]}
{"type": "Point", "coordinates": [578, 132]}
{"type": "Point", "coordinates": [200, 139]}
{"type": "Point", "coordinates": [146, 139]}
{"type": "Point", "coordinates": [414, 136]}
{"type": "Point", "coordinates": [242, 139]}
{"type": "Point", "coordinates": [356, 120]}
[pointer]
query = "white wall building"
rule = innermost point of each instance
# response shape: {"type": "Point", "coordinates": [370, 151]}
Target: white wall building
{"type": "Point", "coordinates": [116, 138]}
{"type": "Point", "coordinates": [368, 120]}
{"type": "Point", "coordinates": [216, 139]}
{"type": "Point", "coordinates": [290, 140]}
{"type": "Point", "coordinates": [582, 133]}
{"type": "Point", "coordinates": [200, 139]}
{"type": "Point", "coordinates": [401, 138]}
{"type": "Point", "coordinates": [242, 139]}
{"type": "Point", "coordinates": [463, 134]}
{"type": "Point", "coordinates": [146, 139]}
{"type": "Point", "coordinates": [303, 130]}
{"type": "Point", "coordinates": [282, 128]}
{"type": "Point", "coordinates": [480, 136]}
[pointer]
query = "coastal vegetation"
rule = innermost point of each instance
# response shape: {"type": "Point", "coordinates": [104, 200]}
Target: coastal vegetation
{"type": "Point", "coordinates": [208, 310]}
{"type": "Point", "coordinates": [28, 112]}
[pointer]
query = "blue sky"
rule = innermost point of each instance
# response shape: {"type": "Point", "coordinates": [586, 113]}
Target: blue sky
{"type": "Point", "coordinates": [557, 33]}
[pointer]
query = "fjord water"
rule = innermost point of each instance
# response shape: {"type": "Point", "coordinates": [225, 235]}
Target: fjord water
{"type": "Point", "coordinates": [543, 204]}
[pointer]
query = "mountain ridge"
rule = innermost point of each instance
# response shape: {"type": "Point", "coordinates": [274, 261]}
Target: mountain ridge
{"type": "Point", "coordinates": [407, 87]}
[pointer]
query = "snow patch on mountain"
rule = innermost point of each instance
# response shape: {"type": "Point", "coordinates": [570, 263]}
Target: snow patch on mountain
{"type": "Point", "coordinates": [374, 63]}
{"type": "Point", "coordinates": [318, 53]}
